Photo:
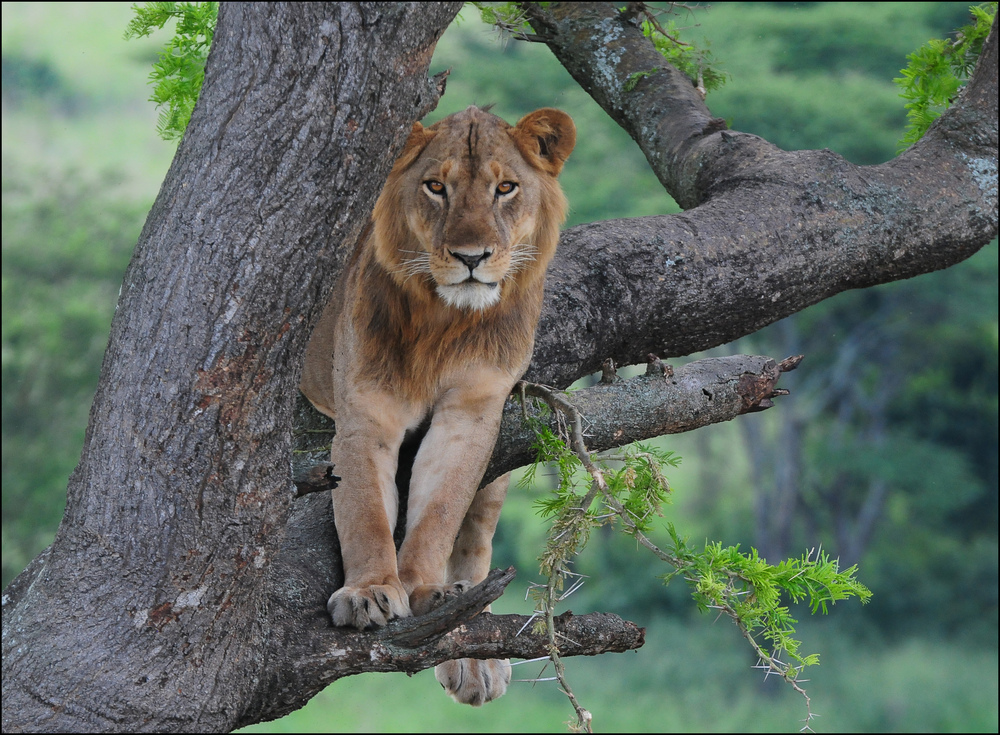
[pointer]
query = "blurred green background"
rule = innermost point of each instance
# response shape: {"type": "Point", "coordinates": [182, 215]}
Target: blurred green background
{"type": "Point", "coordinates": [885, 453]}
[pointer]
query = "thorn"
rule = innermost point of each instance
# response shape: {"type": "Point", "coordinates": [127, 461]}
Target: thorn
{"type": "Point", "coordinates": [526, 624]}
{"type": "Point", "coordinates": [790, 363]}
{"type": "Point", "coordinates": [656, 366]}
{"type": "Point", "coordinates": [608, 373]}
{"type": "Point", "coordinates": [567, 638]}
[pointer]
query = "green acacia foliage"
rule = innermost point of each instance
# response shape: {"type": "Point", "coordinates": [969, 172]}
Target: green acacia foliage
{"type": "Point", "coordinates": [697, 62]}
{"type": "Point", "coordinates": [628, 489]}
{"type": "Point", "coordinates": [180, 71]}
{"type": "Point", "coordinates": [938, 69]}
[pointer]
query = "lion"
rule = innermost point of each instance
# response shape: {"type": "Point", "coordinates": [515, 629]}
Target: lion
{"type": "Point", "coordinates": [430, 327]}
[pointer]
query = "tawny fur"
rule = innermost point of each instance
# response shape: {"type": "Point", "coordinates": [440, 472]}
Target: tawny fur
{"type": "Point", "coordinates": [434, 318]}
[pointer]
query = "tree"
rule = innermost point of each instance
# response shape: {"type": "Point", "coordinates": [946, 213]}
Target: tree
{"type": "Point", "coordinates": [183, 560]}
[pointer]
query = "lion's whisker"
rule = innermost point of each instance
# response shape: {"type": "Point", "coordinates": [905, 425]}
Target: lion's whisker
{"type": "Point", "coordinates": [413, 266]}
{"type": "Point", "coordinates": [522, 255]}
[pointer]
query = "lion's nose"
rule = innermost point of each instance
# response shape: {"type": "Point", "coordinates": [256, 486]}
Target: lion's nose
{"type": "Point", "coordinates": [473, 259]}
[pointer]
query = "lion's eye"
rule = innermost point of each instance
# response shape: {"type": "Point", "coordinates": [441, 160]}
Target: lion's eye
{"type": "Point", "coordinates": [505, 188]}
{"type": "Point", "coordinates": [435, 187]}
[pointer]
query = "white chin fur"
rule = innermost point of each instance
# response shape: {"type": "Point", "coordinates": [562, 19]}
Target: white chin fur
{"type": "Point", "coordinates": [470, 296]}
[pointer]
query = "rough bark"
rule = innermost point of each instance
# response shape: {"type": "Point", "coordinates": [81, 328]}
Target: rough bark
{"type": "Point", "coordinates": [663, 401]}
{"type": "Point", "coordinates": [185, 587]}
{"type": "Point", "coordinates": [768, 232]}
{"type": "Point", "coordinates": [315, 654]}
{"type": "Point", "coordinates": [154, 607]}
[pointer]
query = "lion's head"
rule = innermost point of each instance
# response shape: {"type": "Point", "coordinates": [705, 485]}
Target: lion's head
{"type": "Point", "coordinates": [472, 208]}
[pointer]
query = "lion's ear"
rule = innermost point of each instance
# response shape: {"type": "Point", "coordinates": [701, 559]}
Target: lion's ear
{"type": "Point", "coordinates": [418, 140]}
{"type": "Point", "coordinates": [546, 138]}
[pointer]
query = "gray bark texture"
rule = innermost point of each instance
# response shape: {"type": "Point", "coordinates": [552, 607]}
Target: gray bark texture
{"type": "Point", "coordinates": [767, 232]}
{"type": "Point", "coordinates": [185, 589]}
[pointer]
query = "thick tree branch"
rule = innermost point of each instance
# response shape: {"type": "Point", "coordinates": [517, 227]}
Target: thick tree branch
{"type": "Point", "coordinates": [664, 401]}
{"type": "Point", "coordinates": [772, 232]}
{"type": "Point", "coordinates": [688, 149]}
{"type": "Point", "coordinates": [457, 629]}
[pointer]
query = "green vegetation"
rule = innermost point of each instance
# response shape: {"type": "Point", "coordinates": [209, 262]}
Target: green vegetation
{"type": "Point", "coordinates": [819, 75]}
{"type": "Point", "coordinates": [180, 71]}
{"type": "Point", "coordinates": [81, 164]}
{"type": "Point", "coordinates": [895, 406]}
{"type": "Point", "coordinates": [627, 488]}
{"type": "Point", "coordinates": [697, 62]}
{"type": "Point", "coordinates": [65, 249]}
{"type": "Point", "coordinates": [937, 70]}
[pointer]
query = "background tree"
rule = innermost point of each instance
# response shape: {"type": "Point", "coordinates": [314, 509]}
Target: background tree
{"type": "Point", "coordinates": [166, 615]}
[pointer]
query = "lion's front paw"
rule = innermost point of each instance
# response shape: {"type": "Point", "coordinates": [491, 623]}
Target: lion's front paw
{"type": "Point", "coordinates": [475, 682]}
{"type": "Point", "coordinates": [426, 597]}
{"type": "Point", "coordinates": [367, 607]}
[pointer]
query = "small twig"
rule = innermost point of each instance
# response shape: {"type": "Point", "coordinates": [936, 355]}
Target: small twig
{"type": "Point", "coordinates": [634, 9]}
{"type": "Point", "coordinates": [584, 719]}
{"type": "Point", "coordinates": [557, 571]}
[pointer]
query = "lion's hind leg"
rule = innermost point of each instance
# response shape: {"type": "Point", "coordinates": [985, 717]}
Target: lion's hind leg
{"type": "Point", "coordinates": [468, 680]}
{"type": "Point", "coordinates": [473, 550]}
{"type": "Point", "coordinates": [426, 597]}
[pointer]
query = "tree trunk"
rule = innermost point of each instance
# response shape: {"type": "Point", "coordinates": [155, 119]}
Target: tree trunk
{"type": "Point", "coordinates": [153, 610]}
{"type": "Point", "coordinates": [187, 585]}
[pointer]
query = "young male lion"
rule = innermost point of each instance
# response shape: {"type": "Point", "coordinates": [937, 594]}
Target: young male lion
{"type": "Point", "coordinates": [431, 325]}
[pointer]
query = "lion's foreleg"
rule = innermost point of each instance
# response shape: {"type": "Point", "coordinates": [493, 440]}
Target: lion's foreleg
{"type": "Point", "coordinates": [365, 504]}
{"type": "Point", "coordinates": [446, 473]}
